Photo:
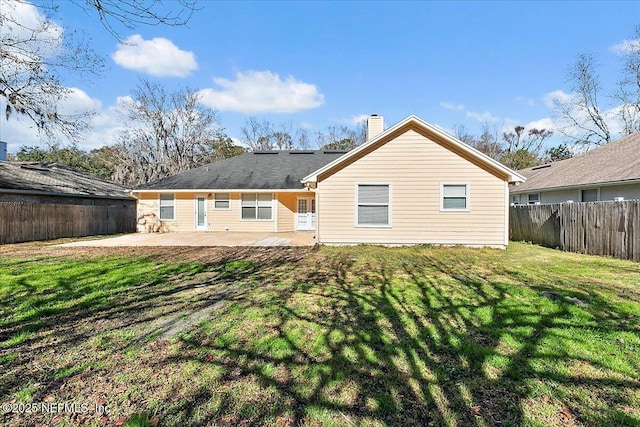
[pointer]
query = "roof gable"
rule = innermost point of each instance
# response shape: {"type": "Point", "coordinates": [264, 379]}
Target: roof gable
{"type": "Point", "coordinates": [618, 161]}
{"type": "Point", "coordinates": [429, 131]}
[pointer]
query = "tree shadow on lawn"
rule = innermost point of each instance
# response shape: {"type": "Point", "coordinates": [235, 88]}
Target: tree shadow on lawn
{"type": "Point", "coordinates": [119, 303]}
{"type": "Point", "coordinates": [393, 338]}
{"type": "Point", "coordinates": [420, 341]}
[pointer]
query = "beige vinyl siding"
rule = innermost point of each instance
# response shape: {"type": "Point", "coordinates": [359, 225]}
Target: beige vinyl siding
{"type": "Point", "coordinates": [149, 203]}
{"type": "Point", "coordinates": [230, 220]}
{"type": "Point", "coordinates": [222, 219]}
{"type": "Point", "coordinates": [415, 167]}
{"type": "Point", "coordinates": [287, 208]}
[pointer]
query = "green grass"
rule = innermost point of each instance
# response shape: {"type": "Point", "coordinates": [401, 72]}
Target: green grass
{"type": "Point", "coordinates": [343, 336]}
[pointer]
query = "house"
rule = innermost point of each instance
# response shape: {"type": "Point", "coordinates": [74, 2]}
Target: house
{"type": "Point", "coordinates": [610, 172]}
{"type": "Point", "coordinates": [53, 183]}
{"type": "Point", "coordinates": [409, 184]}
{"type": "Point", "coordinates": [45, 201]}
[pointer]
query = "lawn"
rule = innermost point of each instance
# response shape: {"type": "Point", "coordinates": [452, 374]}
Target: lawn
{"type": "Point", "coordinates": [364, 336]}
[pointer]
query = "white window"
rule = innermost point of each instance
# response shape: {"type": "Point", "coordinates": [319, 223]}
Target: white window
{"type": "Point", "coordinates": [221, 201]}
{"type": "Point", "coordinates": [373, 204]}
{"type": "Point", "coordinates": [167, 207]}
{"type": "Point", "coordinates": [257, 206]}
{"type": "Point", "coordinates": [455, 197]}
{"type": "Point", "coordinates": [533, 198]}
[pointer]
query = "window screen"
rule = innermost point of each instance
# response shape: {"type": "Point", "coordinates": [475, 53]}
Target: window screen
{"type": "Point", "coordinates": [221, 201]}
{"type": "Point", "coordinates": [454, 196]}
{"type": "Point", "coordinates": [256, 206]}
{"type": "Point", "coordinates": [373, 204]}
{"type": "Point", "coordinates": [167, 206]}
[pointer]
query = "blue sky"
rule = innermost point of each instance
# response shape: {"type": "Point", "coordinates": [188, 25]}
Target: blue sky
{"type": "Point", "coordinates": [319, 64]}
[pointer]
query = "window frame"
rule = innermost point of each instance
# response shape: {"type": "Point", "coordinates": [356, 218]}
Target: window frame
{"type": "Point", "coordinates": [597, 190]}
{"type": "Point", "coordinates": [357, 205]}
{"type": "Point", "coordinates": [536, 202]}
{"type": "Point", "coordinates": [173, 206]}
{"type": "Point", "coordinates": [256, 206]}
{"type": "Point", "coordinates": [467, 197]}
{"type": "Point", "coordinates": [228, 200]}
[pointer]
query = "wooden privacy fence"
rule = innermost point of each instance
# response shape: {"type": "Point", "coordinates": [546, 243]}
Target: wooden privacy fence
{"type": "Point", "coordinates": [25, 222]}
{"type": "Point", "coordinates": [596, 228]}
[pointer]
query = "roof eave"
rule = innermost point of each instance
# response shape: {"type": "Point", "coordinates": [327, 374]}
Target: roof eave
{"type": "Point", "coordinates": [124, 195]}
{"type": "Point", "coordinates": [516, 190]}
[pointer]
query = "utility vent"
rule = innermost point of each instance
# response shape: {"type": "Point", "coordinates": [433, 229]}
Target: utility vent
{"type": "Point", "coordinates": [548, 165]}
{"type": "Point", "coordinates": [301, 152]}
{"type": "Point", "coordinates": [266, 152]}
{"type": "Point", "coordinates": [35, 168]}
{"type": "Point", "coordinates": [334, 151]}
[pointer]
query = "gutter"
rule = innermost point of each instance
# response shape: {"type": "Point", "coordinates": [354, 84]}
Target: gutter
{"type": "Point", "coordinates": [48, 193]}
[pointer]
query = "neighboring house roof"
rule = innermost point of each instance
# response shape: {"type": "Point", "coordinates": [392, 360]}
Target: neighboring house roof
{"type": "Point", "coordinates": [616, 162]}
{"type": "Point", "coordinates": [434, 133]}
{"type": "Point", "coordinates": [258, 170]}
{"type": "Point", "coordinates": [53, 179]}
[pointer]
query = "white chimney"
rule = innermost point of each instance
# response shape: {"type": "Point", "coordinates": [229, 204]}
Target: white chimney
{"type": "Point", "coordinates": [375, 126]}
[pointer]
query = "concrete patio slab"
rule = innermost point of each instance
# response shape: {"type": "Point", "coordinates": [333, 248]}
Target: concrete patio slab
{"type": "Point", "coordinates": [200, 238]}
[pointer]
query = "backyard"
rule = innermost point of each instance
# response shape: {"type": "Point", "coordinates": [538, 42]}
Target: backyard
{"type": "Point", "coordinates": [341, 336]}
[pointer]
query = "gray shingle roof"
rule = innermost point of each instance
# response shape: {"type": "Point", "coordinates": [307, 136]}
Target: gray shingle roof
{"type": "Point", "coordinates": [55, 179]}
{"type": "Point", "coordinates": [260, 170]}
{"type": "Point", "coordinates": [614, 162]}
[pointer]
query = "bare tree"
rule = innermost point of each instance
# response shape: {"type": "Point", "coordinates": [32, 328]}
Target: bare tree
{"type": "Point", "coordinates": [133, 13]}
{"type": "Point", "coordinates": [523, 149]}
{"type": "Point", "coordinates": [488, 142]}
{"type": "Point", "coordinates": [257, 135]}
{"type": "Point", "coordinates": [36, 53]}
{"type": "Point", "coordinates": [341, 137]}
{"type": "Point", "coordinates": [517, 149]}
{"type": "Point", "coordinates": [303, 139]}
{"type": "Point", "coordinates": [628, 90]}
{"type": "Point", "coordinates": [169, 133]}
{"type": "Point", "coordinates": [583, 119]}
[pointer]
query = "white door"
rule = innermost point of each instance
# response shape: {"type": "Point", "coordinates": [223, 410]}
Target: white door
{"type": "Point", "coordinates": [306, 215]}
{"type": "Point", "coordinates": [201, 213]}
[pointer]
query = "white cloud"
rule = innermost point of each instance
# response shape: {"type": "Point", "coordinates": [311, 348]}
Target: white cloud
{"type": "Point", "coordinates": [261, 92]}
{"type": "Point", "coordinates": [528, 101]}
{"type": "Point", "coordinates": [29, 30]}
{"type": "Point", "coordinates": [625, 46]}
{"type": "Point", "coordinates": [105, 125]}
{"type": "Point", "coordinates": [544, 123]}
{"type": "Point", "coordinates": [356, 120]}
{"type": "Point", "coordinates": [557, 95]}
{"type": "Point", "coordinates": [452, 106]}
{"type": "Point", "coordinates": [485, 117]}
{"type": "Point", "coordinates": [158, 57]}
